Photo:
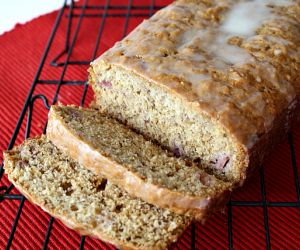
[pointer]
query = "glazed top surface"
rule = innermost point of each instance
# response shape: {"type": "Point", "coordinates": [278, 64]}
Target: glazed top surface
{"type": "Point", "coordinates": [238, 61]}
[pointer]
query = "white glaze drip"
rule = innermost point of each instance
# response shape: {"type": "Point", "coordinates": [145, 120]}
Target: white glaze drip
{"type": "Point", "coordinates": [246, 17]}
{"type": "Point", "coordinates": [230, 54]}
{"type": "Point", "coordinates": [198, 78]}
{"type": "Point", "coordinates": [216, 46]}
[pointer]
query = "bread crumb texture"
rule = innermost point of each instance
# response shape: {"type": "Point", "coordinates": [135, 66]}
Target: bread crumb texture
{"type": "Point", "coordinates": [135, 153]}
{"type": "Point", "coordinates": [90, 203]}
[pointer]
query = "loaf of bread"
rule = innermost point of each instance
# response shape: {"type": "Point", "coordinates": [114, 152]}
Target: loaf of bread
{"type": "Point", "coordinates": [139, 166]}
{"type": "Point", "coordinates": [87, 203]}
{"type": "Point", "coordinates": [211, 80]}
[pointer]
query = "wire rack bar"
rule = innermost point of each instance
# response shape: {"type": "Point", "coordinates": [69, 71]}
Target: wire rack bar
{"type": "Point", "coordinates": [122, 7]}
{"type": "Point", "coordinates": [129, 7]}
{"type": "Point", "coordinates": [60, 64]}
{"type": "Point", "coordinates": [229, 225]}
{"type": "Point", "coordinates": [48, 233]}
{"type": "Point", "coordinates": [261, 204]}
{"type": "Point", "coordinates": [55, 82]}
{"type": "Point", "coordinates": [265, 209]}
{"type": "Point", "coordinates": [14, 227]}
{"type": "Point", "coordinates": [82, 241]}
{"type": "Point", "coordinates": [294, 165]}
{"type": "Point", "coordinates": [101, 28]}
{"type": "Point", "coordinates": [68, 34]}
{"type": "Point", "coordinates": [112, 15]}
{"type": "Point", "coordinates": [69, 53]}
{"type": "Point", "coordinates": [12, 196]}
{"type": "Point", "coordinates": [193, 231]}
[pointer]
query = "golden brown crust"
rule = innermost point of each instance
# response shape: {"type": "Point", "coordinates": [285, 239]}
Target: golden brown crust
{"type": "Point", "coordinates": [92, 159]}
{"type": "Point", "coordinates": [246, 98]}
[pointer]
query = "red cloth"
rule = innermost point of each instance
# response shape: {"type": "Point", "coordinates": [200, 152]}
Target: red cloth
{"type": "Point", "coordinates": [20, 54]}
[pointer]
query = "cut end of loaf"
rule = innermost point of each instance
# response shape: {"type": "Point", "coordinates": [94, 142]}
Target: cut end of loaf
{"type": "Point", "coordinates": [86, 202]}
{"type": "Point", "coordinates": [163, 115]}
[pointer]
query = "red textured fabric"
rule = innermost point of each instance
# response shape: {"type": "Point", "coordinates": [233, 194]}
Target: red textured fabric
{"type": "Point", "coordinates": [20, 54]}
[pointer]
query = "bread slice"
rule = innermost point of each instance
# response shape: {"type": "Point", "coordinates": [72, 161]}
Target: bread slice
{"type": "Point", "coordinates": [87, 203]}
{"type": "Point", "coordinates": [199, 84]}
{"type": "Point", "coordinates": [135, 164]}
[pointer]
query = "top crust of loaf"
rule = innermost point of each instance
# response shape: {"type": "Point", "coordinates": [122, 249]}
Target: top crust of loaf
{"type": "Point", "coordinates": [242, 79]}
{"type": "Point", "coordinates": [86, 202]}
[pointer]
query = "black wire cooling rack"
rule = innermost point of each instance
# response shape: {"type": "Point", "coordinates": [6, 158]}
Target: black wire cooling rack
{"type": "Point", "coordinates": [102, 11]}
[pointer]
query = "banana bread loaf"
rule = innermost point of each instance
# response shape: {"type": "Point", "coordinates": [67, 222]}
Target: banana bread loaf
{"type": "Point", "coordinates": [135, 164]}
{"type": "Point", "coordinates": [215, 80]}
{"type": "Point", "coordinates": [87, 203]}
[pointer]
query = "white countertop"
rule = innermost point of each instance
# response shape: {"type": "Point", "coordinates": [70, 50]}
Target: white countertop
{"type": "Point", "coordinates": [22, 11]}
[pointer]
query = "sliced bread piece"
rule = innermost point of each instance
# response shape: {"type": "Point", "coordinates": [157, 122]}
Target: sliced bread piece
{"type": "Point", "coordinates": [87, 203]}
{"type": "Point", "coordinates": [135, 164]}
